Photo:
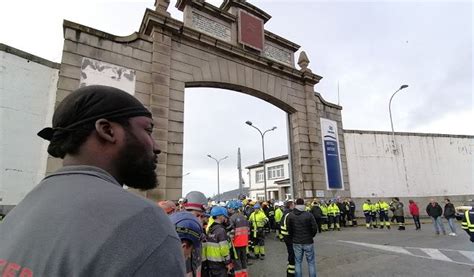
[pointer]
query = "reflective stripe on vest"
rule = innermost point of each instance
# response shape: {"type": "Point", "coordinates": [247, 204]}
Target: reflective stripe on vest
{"type": "Point", "coordinates": [333, 210]}
{"type": "Point", "coordinates": [241, 237]}
{"type": "Point", "coordinates": [384, 206]}
{"type": "Point", "coordinates": [217, 252]}
{"type": "Point", "coordinates": [258, 219]}
{"type": "Point", "coordinates": [278, 215]}
{"type": "Point", "coordinates": [290, 269]}
{"type": "Point", "coordinates": [284, 227]}
{"type": "Point", "coordinates": [467, 225]}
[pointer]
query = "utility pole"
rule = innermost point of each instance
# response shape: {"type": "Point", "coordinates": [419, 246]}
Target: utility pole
{"type": "Point", "coordinates": [239, 167]}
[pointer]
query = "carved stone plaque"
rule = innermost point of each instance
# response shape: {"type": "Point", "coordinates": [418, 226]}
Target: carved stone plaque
{"type": "Point", "coordinates": [277, 54]}
{"type": "Point", "coordinates": [211, 27]}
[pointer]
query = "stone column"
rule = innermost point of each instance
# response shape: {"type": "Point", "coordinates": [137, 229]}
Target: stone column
{"type": "Point", "coordinates": [159, 102]}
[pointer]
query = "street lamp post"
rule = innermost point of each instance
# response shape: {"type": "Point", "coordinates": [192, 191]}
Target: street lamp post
{"type": "Point", "coordinates": [263, 154]}
{"type": "Point", "coordinates": [218, 161]}
{"type": "Point", "coordinates": [391, 121]}
{"type": "Point", "coordinates": [186, 174]}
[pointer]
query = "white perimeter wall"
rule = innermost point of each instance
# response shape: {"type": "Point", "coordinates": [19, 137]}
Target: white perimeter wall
{"type": "Point", "coordinates": [27, 95]}
{"type": "Point", "coordinates": [427, 165]}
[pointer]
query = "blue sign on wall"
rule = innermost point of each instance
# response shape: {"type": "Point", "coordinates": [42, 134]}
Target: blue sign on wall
{"type": "Point", "coordinates": [332, 158]}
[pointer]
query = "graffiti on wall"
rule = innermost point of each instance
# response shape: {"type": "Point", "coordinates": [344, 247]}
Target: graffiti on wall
{"type": "Point", "coordinates": [95, 72]}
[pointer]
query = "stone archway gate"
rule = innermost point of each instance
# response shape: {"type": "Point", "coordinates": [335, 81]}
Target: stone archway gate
{"type": "Point", "coordinates": [225, 47]}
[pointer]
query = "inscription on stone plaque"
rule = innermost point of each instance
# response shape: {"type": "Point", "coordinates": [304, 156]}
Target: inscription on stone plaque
{"type": "Point", "coordinates": [211, 27]}
{"type": "Point", "coordinates": [277, 54]}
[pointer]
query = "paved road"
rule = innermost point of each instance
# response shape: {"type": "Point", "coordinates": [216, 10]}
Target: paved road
{"type": "Point", "coordinates": [362, 252]}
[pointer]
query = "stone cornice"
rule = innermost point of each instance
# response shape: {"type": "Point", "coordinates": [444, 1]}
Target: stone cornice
{"type": "Point", "coordinates": [282, 41]}
{"type": "Point", "coordinates": [28, 56]}
{"type": "Point", "coordinates": [101, 34]}
{"type": "Point", "coordinates": [246, 6]}
{"type": "Point", "coordinates": [317, 94]}
{"type": "Point", "coordinates": [207, 8]}
{"type": "Point", "coordinates": [153, 19]}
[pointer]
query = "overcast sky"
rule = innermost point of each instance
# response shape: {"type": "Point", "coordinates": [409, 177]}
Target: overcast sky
{"type": "Point", "coordinates": [370, 48]}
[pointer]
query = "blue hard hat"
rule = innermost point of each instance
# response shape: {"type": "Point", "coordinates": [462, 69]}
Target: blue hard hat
{"type": "Point", "coordinates": [234, 204]}
{"type": "Point", "coordinates": [188, 227]}
{"type": "Point", "coordinates": [217, 211]}
{"type": "Point", "coordinates": [256, 206]}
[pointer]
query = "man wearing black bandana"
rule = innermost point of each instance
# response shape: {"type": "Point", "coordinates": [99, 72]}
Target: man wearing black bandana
{"type": "Point", "coordinates": [79, 221]}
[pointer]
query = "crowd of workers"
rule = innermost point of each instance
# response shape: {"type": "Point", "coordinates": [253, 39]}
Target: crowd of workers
{"type": "Point", "coordinates": [80, 221]}
{"type": "Point", "coordinates": [220, 237]}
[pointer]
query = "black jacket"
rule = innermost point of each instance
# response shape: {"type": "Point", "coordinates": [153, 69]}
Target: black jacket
{"type": "Point", "coordinates": [449, 210]}
{"type": "Point", "coordinates": [352, 207]}
{"type": "Point", "coordinates": [301, 227]}
{"type": "Point", "coordinates": [316, 211]}
{"type": "Point", "coordinates": [285, 218]}
{"type": "Point", "coordinates": [434, 211]}
{"type": "Point", "coordinates": [342, 208]}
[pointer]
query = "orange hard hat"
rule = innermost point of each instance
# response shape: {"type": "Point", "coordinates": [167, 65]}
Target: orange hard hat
{"type": "Point", "coordinates": [168, 206]}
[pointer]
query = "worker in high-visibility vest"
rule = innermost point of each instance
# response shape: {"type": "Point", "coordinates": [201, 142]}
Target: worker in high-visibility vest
{"type": "Point", "coordinates": [278, 216]}
{"type": "Point", "coordinates": [239, 233]}
{"type": "Point", "coordinates": [290, 268]}
{"type": "Point", "coordinates": [383, 214]}
{"type": "Point", "coordinates": [468, 223]}
{"type": "Point", "coordinates": [374, 209]}
{"type": "Point", "coordinates": [216, 248]}
{"type": "Point", "coordinates": [333, 216]}
{"type": "Point", "coordinates": [258, 219]}
{"type": "Point", "coordinates": [324, 217]}
{"type": "Point", "coordinates": [367, 209]}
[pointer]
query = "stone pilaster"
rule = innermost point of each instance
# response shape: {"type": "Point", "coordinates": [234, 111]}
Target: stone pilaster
{"type": "Point", "coordinates": [159, 103]}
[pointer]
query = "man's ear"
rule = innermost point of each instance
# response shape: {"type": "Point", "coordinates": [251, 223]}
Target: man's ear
{"type": "Point", "coordinates": [105, 130]}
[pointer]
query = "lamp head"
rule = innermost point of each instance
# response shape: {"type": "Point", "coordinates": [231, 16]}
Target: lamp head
{"type": "Point", "coordinates": [209, 156]}
{"type": "Point", "coordinates": [248, 122]}
{"type": "Point", "coordinates": [403, 86]}
{"type": "Point", "coordinates": [274, 127]}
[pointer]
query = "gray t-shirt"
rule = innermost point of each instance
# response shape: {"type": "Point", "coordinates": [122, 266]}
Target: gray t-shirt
{"type": "Point", "coordinates": [79, 221]}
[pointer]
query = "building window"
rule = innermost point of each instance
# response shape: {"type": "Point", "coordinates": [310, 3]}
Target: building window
{"type": "Point", "coordinates": [259, 176]}
{"type": "Point", "coordinates": [276, 172]}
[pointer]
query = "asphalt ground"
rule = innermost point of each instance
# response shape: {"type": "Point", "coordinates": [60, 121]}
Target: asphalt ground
{"type": "Point", "coordinates": [360, 252]}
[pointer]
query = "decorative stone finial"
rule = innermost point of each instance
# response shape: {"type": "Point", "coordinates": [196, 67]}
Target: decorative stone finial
{"type": "Point", "coordinates": [161, 6]}
{"type": "Point", "coordinates": [303, 62]}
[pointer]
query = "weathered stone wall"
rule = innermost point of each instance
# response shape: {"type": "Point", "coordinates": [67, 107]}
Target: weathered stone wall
{"type": "Point", "coordinates": [133, 52]}
{"type": "Point", "coordinates": [332, 112]}
{"type": "Point", "coordinates": [169, 57]}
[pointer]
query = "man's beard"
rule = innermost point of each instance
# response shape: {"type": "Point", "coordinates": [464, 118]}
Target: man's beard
{"type": "Point", "coordinates": [135, 166]}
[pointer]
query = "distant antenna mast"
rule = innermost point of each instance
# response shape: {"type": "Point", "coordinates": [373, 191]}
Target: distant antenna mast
{"type": "Point", "coordinates": [239, 167]}
{"type": "Point", "coordinates": [338, 99]}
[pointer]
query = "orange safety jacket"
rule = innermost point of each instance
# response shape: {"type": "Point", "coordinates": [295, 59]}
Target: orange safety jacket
{"type": "Point", "coordinates": [240, 229]}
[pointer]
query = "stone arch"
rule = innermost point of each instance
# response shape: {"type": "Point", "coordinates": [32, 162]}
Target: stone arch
{"type": "Point", "coordinates": [245, 90]}
{"type": "Point", "coordinates": [168, 56]}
